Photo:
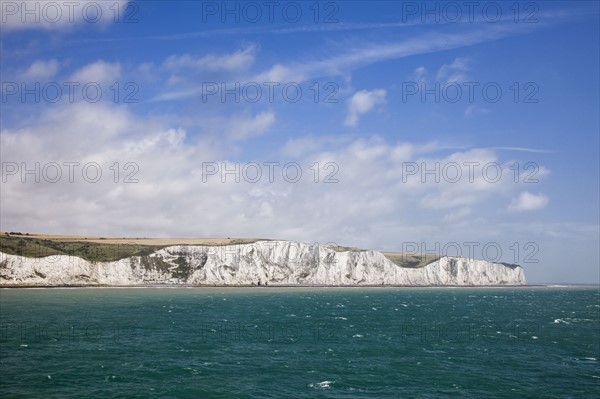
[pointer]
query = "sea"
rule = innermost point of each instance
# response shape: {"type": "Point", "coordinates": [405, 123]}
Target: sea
{"type": "Point", "coordinates": [384, 342]}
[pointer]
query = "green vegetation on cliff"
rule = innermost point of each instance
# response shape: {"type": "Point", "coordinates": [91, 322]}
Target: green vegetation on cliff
{"type": "Point", "coordinates": [411, 260]}
{"type": "Point", "coordinates": [23, 245]}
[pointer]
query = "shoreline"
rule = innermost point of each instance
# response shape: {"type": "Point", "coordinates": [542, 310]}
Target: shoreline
{"type": "Point", "coordinates": [268, 287]}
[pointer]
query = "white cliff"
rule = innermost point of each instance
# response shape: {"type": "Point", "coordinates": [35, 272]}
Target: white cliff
{"type": "Point", "coordinates": [261, 263]}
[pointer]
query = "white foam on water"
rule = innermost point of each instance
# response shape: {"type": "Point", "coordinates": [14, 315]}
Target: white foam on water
{"type": "Point", "coordinates": [428, 351]}
{"type": "Point", "coordinates": [321, 385]}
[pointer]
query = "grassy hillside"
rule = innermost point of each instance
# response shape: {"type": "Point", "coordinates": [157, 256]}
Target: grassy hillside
{"type": "Point", "coordinates": [340, 248]}
{"type": "Point", "coordinates": [98, 249]}
{"type": "Point", "coordinates": [39, 247]}
{"type": "Point", "coordinates": [411, 260]}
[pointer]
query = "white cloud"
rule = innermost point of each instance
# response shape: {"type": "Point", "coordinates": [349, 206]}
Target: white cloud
{"type": "Point", "coordinates": [366, 203]}
{"type": "Point", "coordinates": [341, 63]}
{"type": "Point", "coordinates": [361, 54]}
{"type": "Point", "coordinates": [238, 60]}
{"type": "Point", "coordinates": [282, 74]}
{"type": "Point", "coordinates": [457, 215]}
{"type": "Point", "coordinates": [60, 15]}
{"type": "Point", "coordinates": [242, 128]}
{"type": "Point", "coordinates": [460, 179]}
{"type": "Point", "coordinates": [403, 152]}
{"type": "Point", "coordinates": [40, 70]}
{"type": "Point", "coordinates": [185, 71]}
{"type": "Point", "coordinates": [100, 72]}
{"type": "Point", "coordinates": [527, 201]}
{"type": "Point", "coordinates": [455, 72]}
{"type": "Point", "coordinates": [362, 102]}
{"type": "Point", "coordinates": [419, 75]}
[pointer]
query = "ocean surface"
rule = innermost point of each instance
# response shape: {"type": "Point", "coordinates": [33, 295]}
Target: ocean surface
{"type": "Point", "coordinates": [526, 342]}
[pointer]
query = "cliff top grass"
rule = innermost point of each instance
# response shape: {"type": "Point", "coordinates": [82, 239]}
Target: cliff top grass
{"type": "Point", "coordinates": [98, 249]}
{"type": "Point", "coordinates": [133, 240]}
{"type": "Point", "coordinates": [341, 248]}
{"type": "Point", "coordinates": [411, 260]}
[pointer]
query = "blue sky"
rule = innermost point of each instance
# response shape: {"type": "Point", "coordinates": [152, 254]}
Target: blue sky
{"type": "Point", "coordinates": [162, 67]}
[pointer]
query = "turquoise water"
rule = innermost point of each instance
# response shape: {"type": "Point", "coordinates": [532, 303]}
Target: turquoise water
{"type": "Point", "coordinates": [528, 342]}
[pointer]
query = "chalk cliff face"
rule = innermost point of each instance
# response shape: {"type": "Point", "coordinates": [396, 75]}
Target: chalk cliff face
{"type": "Point", "coordinates": [260, 263]}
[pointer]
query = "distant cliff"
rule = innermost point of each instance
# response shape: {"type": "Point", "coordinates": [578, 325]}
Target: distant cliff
{"type": "Point", "coordinates": [260, 263]}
